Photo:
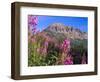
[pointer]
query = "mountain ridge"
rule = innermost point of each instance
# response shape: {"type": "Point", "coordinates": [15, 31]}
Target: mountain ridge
{"type": "Point", "coordinates": [59, 29]}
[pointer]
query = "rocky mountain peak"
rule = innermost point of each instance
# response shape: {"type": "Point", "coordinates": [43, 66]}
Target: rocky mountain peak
{"type": "Point", "coordinates": [57, 27]}
{"type": "Point", "coordinates": [67, 31]}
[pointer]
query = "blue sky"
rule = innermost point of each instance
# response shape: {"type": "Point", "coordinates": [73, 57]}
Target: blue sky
{"type": "Point", "coordinates": [77, 22]}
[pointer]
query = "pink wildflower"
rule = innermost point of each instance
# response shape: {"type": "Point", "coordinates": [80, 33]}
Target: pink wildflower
{"type": "Point", "coordinates": [68, 61]}
{"type": "Point", "coordinates": [33, 40]}
{"type": "Point", "coordinates": [65, 45]}
{"type": "Point", "coordinates": [32, 22]}
{"type": "Point", "coordinates": [45, 43]}
{"type": "Point", "coordinates": [83, 59]}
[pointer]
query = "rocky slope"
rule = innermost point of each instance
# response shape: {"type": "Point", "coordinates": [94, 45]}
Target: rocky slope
{"type": "Point", "coordinates": [58, 30]}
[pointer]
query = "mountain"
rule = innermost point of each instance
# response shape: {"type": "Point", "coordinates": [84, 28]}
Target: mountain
{"type": "Point", "coordinates": [60, 31]}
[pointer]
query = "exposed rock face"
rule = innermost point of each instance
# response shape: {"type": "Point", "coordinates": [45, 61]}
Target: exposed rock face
{"type": "Point", "coordinates": [57, 27]}
{"type": "Point", "coordinates": [67, 31]}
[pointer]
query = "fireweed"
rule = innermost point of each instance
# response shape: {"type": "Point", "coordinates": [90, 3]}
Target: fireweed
{"type": "Point", "coordinates": [66, 59]}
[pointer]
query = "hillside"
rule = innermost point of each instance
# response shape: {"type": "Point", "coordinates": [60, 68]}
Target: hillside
{"type": "Point", "coordinates": [60, 31]}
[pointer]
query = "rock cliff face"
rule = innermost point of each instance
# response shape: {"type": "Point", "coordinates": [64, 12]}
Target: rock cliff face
{"type": "Point", "coordinates": [59, 30]}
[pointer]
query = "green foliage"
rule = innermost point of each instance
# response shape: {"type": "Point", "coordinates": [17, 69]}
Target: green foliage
{"type": "Point", "coordinates": [79, 46]}
{"type": "Point", "coordinates": [52, 55]}
{"type": "Point", "coordinates": [37, 59]}
{"type": "Point", "coordinates": [34, 58]}
{"type": "Point", "coordinates": [51, 58]}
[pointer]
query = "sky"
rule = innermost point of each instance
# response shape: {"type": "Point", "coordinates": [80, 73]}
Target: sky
{"type": "Point", "coordinates": [77, 22]}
